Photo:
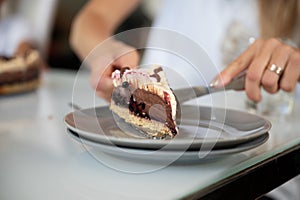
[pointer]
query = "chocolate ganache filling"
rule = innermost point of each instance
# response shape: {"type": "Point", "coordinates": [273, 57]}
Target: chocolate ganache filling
{"type": "Point", "coordinates": [19, 76]}
{"type": "Point", "coordinates": [144, 104]}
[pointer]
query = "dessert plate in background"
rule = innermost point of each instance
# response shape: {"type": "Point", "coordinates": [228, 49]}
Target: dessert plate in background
{"type": "Point", "coordinates": [201, 128]}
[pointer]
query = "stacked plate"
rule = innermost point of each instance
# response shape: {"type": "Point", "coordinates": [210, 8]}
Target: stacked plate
{"type": "Point", "coordinates": [204, 133]}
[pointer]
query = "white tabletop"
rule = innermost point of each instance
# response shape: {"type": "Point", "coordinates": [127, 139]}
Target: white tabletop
{"type": "Point", "coordinates": [39, 160]}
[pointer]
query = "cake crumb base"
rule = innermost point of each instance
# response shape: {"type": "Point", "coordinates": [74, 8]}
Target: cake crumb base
{"type": "Point", "coordinates": [152, 128]}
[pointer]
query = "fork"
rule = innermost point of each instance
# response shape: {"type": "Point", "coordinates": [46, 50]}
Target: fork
{"type": "Point", "coordinates": [185, 94]}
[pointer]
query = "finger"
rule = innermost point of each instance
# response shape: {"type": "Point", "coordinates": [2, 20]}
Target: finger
{"type": "Point", "coordinates": [257, 68]}
{"type": "Point", "coordinates": [104, 87]}
{"type": "Point", "coordinates": [129, 59]}
{"type": "Point", "coordinates": [104, 96]}
{"type": "Point", "coordinates": [279, 58]}
{"type": "Point", "coordinates": [238, 65]}
{"type": "Point", "coordinates": [100, 79]}
{"type": "Point", "coordinates": [291, 73]}
{"type": "Point", "coordinates": [99, 74]}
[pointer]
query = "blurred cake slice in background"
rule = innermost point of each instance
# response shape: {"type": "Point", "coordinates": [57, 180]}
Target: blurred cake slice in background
{"type": "Point", "coordinates": [20, 73]}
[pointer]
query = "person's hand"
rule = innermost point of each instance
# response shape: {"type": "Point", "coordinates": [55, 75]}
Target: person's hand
{"type": "Point", "coordinates": [106, 59]}
{"type": "Point", "coordinates": [96, 22]}
{"type": "Point", "coordinates": [269, 63]}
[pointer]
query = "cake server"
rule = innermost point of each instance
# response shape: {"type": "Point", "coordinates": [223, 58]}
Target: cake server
{"type": "Point", "coordinates": [185, 94]}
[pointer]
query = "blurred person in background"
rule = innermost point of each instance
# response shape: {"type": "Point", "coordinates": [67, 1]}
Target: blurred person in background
{"type": "Point", "coordinates": [223, 32]}
{"type": "Point", "coordinates": [222, 27]}
{"type": "Point", "coordinates": [25, 25]}
{"type": "Point", "coordinates": [24, 35]}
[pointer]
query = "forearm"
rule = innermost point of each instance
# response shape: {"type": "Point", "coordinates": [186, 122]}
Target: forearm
{"type": "Point", "coordinates": [96, 22]}
{"type": "Point", "coordinates": [87, 31]}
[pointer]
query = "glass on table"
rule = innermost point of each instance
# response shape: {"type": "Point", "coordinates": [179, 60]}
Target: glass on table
{"type": "Point", "coordinates": [277, 105]}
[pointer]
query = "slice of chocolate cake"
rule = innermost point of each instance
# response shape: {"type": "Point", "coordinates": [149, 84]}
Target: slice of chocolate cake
{"type": "Point", "coordinates": [144, 99]}
{"type": "Point", "coordinates": [19, 74]}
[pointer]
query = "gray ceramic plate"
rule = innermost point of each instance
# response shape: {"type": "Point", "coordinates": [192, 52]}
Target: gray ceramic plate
{"type": "Point", "coordinates": [162, 156]}
{"type": "Point", "coordinates": [200, 128]}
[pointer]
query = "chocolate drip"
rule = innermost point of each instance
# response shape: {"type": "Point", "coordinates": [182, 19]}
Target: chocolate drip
{"type": "Point", "coordinates": [123, 70]}
{"type": "Point", "coordinates": [156, 75]}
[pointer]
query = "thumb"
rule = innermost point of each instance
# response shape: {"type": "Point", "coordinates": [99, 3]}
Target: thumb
{"type": "Point", "coordinates": [129, 60]}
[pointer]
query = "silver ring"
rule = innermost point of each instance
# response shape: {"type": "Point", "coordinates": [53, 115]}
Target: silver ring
{"type": "Point", "coordinates": [274, 68]}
